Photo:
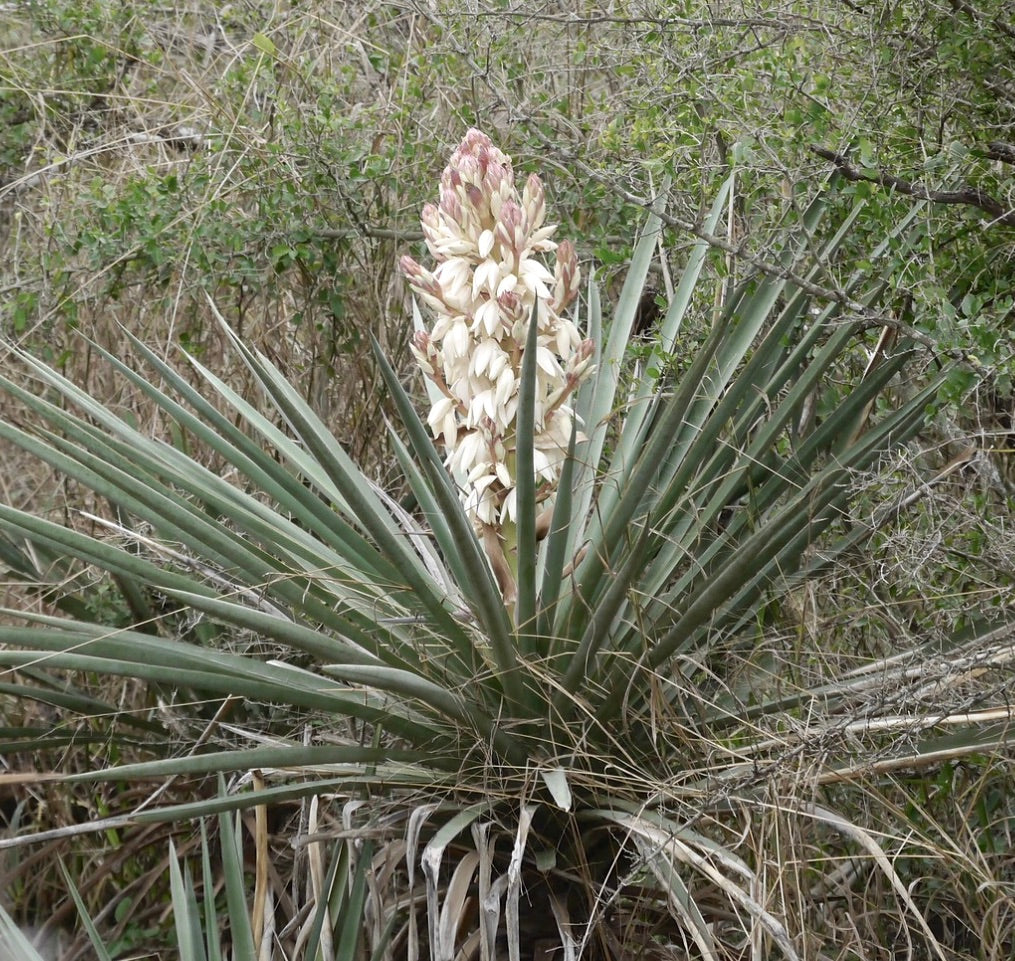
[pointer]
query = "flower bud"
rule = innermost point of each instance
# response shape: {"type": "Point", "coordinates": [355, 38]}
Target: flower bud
{"type": "Point", "coordinates": [424, 351]}
{"type": "Point", "coordinates": [509, 232]}
{"type": "Point", "coordinates": [475, 196]}
{"type": "Point", "coordinates": [567, 276]}
{"type": "Point", "coordinates": [580, 365]}
{"type": "Point", "coordinates": [534, 203]}
{"type": "Point", "coordinates": [452, 207]}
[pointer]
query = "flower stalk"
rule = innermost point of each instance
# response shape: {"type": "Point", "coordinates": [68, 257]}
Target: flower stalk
{"type": "Point", "coordinates": [488, 286]}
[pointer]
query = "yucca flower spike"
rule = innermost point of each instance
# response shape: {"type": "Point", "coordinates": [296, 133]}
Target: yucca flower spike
{"type": "Point", "coordinates": [487, 286]}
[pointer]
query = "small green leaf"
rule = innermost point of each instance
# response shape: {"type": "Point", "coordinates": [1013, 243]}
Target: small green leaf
{"type": "Point", "coordinates": [866, 152]}
{"type": "Point", "coordinates": [264, 44]}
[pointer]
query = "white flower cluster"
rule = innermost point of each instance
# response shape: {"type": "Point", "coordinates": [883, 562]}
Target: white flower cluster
{"type": "Point", "coordinates": [484, 237]}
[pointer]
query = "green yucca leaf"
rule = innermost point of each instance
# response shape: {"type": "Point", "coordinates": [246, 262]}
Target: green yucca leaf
{"type": "Point", "coordinates": [47, 689]}
{"type": "Point", "coordinates": [781, 480]}
{"type": "Point", "coordinates": [436, 524]}
{"type": "Point", "coordinates": [595, 405]}
{"type": "Point", "coordinates": [583, 481]}
{"type": "Point", "coordinates": [395, 777]}
{"type": "Point", "coordinates": [128, 653]}
{"type": "Point", "coordinates": [189, 937]}
{"type": "Point", "coordinates": [180, 520]}
{"type": "Point", "coordinates": [598, 411]}
{"type": "Point", "coordinates": [15, 945]}
{"type": "Point", "coordinates": [42, 738]}
{"type": "Point", "coordinates": [647, 395]}
{"type": "Point", "coordinates": [241, 934]}
{"type": "Point", "coordinates": [413, 686]}
{"type": "Point", "coordinates": [607, 533]}
{"type": "Point", "coordinates": [805, 515]}
{"type": "Point", "coordinates": [287, 755]}
{"type": "Point", "coordinates": [272, 625]}
{"type": "Point", "coordinates": [480, 586]}
{"type": "Point", "coordinates": [555, 556]}
{"type": "Point", "coordinates": [352, 553]}
{"type": "Point", "coordinates": [98, 947]}
{"type": "Point", "coordinates": [350, 909]}
{"type": "Point", "coordinates": [828, 509]}
{"type": "Point", "coordinates": [744, 317]}
{"type": "Point", "coordinates": [273, 531]}
{"type": "Point", "coordinates": [211, 927]}
{"type": "Point", "coordinates": [331, 899]}
{"type": "Point", "coordinates": [362, 500]}
{"type": "Point", "coordinates": [525, 491]}
{"type": "Point", "coordinates": [581, 667]}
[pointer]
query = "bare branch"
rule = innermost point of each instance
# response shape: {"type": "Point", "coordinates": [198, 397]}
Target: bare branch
{"type": "Point", "coordinates": [967, 195]}
{"type": "Point", "coordinates": [1004, 152]}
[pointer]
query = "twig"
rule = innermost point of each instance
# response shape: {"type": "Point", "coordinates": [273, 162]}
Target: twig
{"type": "Point", "coordinates": [966, 196]}
{"type": "Point", "coordinates": [1005, 152]}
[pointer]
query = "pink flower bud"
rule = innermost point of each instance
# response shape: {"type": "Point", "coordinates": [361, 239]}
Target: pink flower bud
{"type": "Point", "coordinates": [509, 230]}
{"type": "Point", "coordinates": [452, 207]}
{"type": "Point", "coordinates": [474, 139]}
{"type": "Point", "coordinates": [430, 218]}
{"type": "Point", "coordinates": [424, 351]}
{"type": "Point", "coordinates": [475, 196]}
{"type": "Point", "coordinates": [468, 169]}
{"type": "Point", "coordinates": [580, 365]}
{"type": "Point", "coordinates": [567, 276]}
{"type": "Point", "coordinates": [419, 277]}
{"type": "Point", "coordinates": [498, 181]}
{"type": "Point", "coordinates": [433, 229]}
{"type": "Point", "coordinates": [534, 202]}
{"type": "Point", "coordinates": [511, 307]}
{"type": "Point", "coordinates": [423, 282]}
{"type": "Point", "coordinates": [410, 268]}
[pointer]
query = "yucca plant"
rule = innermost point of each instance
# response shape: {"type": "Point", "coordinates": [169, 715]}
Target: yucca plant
{"type": "Point", "coordinates": [544, 671]}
